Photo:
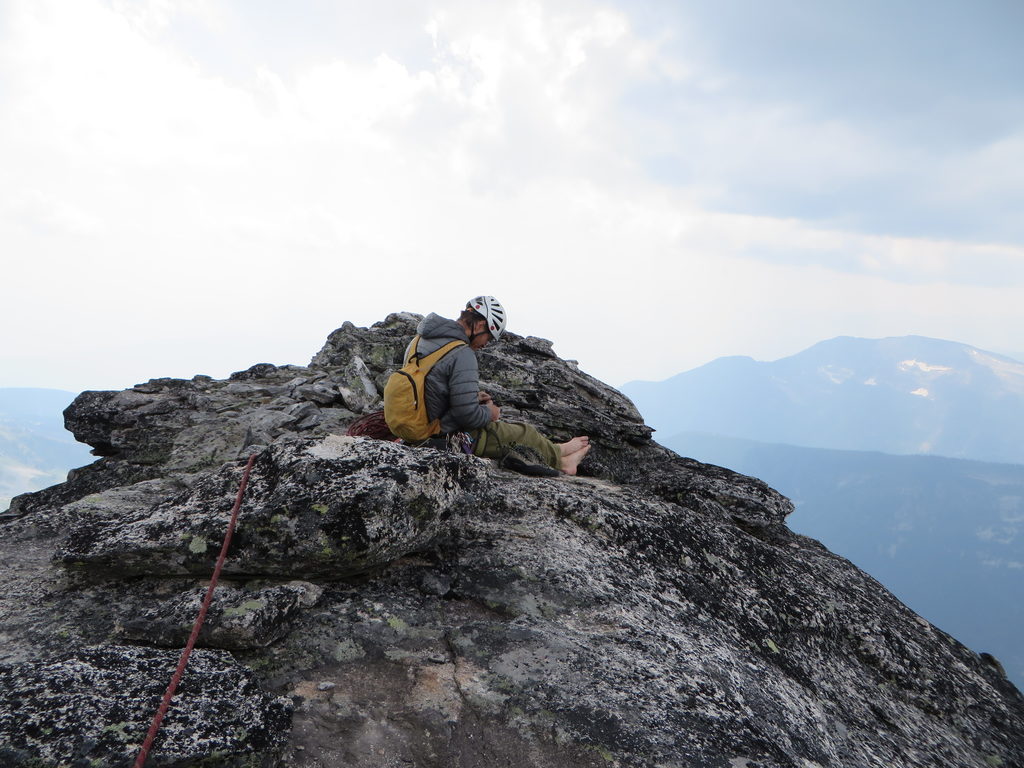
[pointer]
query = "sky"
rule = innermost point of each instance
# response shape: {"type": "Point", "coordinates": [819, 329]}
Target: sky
{"type": "Point", "coordinates": [194, 186]}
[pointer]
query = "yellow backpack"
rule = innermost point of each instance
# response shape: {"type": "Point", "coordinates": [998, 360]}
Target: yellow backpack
{"type": "Point", "coordinates": [405, 407]}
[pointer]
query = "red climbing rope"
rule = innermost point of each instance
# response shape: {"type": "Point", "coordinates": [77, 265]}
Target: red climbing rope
{"type": "Point", "coordinates": [183, 661]}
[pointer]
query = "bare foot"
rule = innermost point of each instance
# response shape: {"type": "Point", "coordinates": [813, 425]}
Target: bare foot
{"type": "Point", "coordinates": [574, 445]}
{"type": "Point", "coordinates": [572, 460]}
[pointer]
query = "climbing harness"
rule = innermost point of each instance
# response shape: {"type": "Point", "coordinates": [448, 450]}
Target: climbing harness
{"type": "Point", "coordinates": [140, 761]}
{"type": "Point", "coordinates": [461, 442]}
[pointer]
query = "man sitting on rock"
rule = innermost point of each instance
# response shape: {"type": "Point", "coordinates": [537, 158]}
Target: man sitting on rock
{"type": "Point", "coordinates": [453, 392]}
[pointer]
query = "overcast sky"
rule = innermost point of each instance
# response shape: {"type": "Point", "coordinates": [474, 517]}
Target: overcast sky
{"type": "Point", "coordinates": [192, 186]}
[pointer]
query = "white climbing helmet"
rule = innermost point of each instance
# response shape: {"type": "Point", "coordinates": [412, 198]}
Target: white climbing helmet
{"type": "Point", "coordinates": [492, 311]}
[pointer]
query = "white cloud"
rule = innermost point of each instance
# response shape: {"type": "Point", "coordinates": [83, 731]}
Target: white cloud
{"type": "Point", "coordinates": [170, 219]}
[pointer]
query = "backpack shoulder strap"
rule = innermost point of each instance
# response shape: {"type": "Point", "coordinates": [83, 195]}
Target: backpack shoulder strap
{"type": "Point", "coordinates": [429, 360]}
{"type": "Point", "coordinates": [412, 350]}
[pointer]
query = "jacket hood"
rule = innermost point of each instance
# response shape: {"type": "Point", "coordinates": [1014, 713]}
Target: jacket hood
{"type": "Point", "coordinates": [436, 327]}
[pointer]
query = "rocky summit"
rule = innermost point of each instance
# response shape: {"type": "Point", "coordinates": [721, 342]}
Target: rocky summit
{"type": "Point", "coordinates": [385, 605]}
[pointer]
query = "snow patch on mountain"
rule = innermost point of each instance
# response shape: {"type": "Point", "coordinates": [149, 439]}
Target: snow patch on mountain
{"type": "Point", "coordinates": [1009, 371]}
{"type": "Point", "coordinates": [907, 365]}
{"type": "Point", "coordinates": [835, 374]}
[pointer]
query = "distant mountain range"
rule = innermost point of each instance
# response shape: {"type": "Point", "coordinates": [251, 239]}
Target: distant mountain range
{"type": "Point", "coordinates": [944, 535]}
{"type": "Point", "coordinates": [35, 449]}
{"type": "Point", "coordinates": [903, 395]}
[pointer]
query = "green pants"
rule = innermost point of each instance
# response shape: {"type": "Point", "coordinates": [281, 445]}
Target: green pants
{"type": "Point", "coordinates": [493, 440]}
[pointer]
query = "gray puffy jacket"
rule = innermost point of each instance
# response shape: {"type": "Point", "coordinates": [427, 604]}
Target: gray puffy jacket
{"type": "Point", "coordinates": [453, 384]}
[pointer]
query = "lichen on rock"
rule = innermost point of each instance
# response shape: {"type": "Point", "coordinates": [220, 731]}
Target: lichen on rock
{"type": "Point", "coordinates": [93, 708]}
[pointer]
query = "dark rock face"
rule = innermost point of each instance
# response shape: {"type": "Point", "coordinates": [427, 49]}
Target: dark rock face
{"type": "Point", "coordinates": [653, 612]}
{"type": "Point", "coordinates": [94, 707]}
{"type": "Point", "coordinates": [238, 619]}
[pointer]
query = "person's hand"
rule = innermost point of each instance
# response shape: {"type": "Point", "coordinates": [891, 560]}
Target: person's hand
{"type": "Point", "coordinates": [484, 397]}
{"type": "Point", "coordinates": [495, 411]}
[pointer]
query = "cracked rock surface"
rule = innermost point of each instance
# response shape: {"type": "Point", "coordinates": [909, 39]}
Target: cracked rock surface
{"type": "Point", "coordinates": [384, 605]}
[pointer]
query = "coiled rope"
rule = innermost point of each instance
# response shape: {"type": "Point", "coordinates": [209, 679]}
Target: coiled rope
{"type": "Point", "coordinates": [140, 761]}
